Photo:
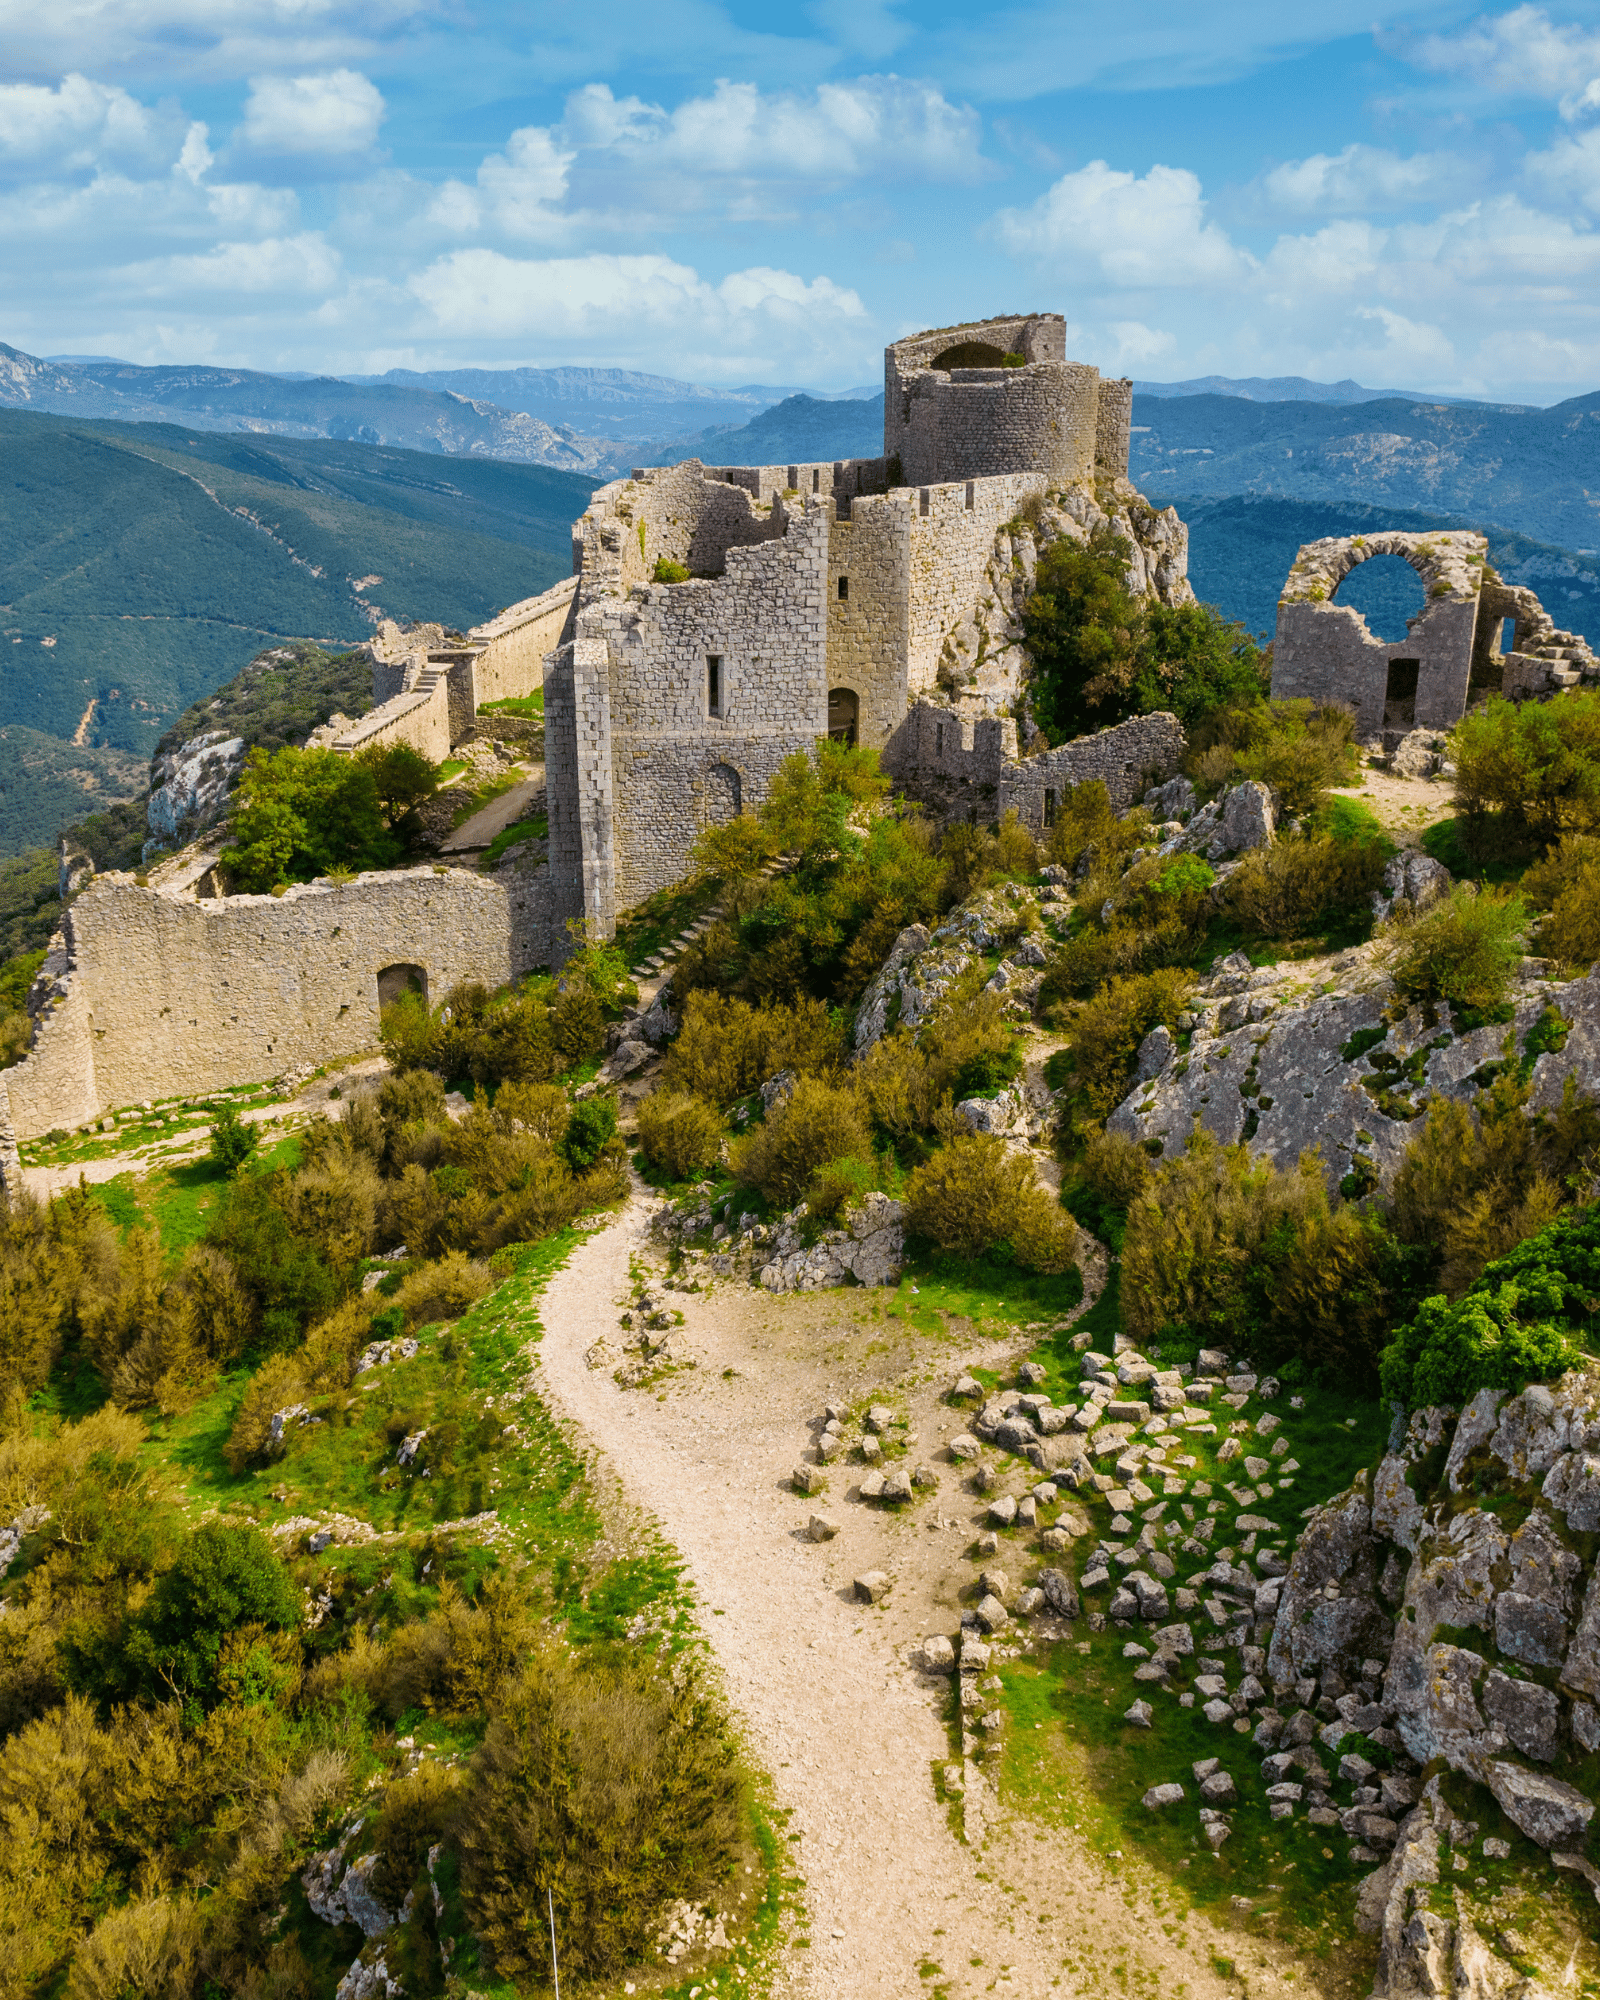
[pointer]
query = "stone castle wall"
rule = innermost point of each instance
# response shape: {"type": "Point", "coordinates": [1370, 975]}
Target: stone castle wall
{"type": "Point", "coordinates": [952, 531]}
{"type": "Point", "coordinates": [869, 552]}
{"type": "Point", "coordinates": [1113, 430]}
{"type": "Point", "coordinates": [166, 996]}
{"type": "Point", "coordinates": [420, 718]}
{"type": "Point", "coordinates": [510, 649]}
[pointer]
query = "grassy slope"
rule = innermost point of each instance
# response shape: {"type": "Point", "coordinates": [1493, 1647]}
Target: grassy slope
{"type": "Point", "coordinates": [45, 783]}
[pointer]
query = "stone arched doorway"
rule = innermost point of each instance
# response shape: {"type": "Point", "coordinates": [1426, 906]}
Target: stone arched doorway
{"type": "Point", "coordinates": [396, 981]}
{"type": "Point", "coordinates": [724, 794]}
{"type": "Point", "coordinates": [844, 715]}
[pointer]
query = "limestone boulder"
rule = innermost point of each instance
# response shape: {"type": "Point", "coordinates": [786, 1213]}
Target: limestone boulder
{"type": "Point", "coordinates": [1328, 1610]}
{"type": "Point", "coordinates": [1549, 1811]}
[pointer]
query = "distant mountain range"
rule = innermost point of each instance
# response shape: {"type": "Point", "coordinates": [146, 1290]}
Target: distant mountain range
{"type": "Point", "coordinates": [1289, 389]}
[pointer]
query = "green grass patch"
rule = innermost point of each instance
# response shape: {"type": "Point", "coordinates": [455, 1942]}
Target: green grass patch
{"type": "Point", "coordinates": [516, 704]}
{"type": "Point", "coordinates": [1443, 841]}
{"type": "Point", "coordinates": [933, 1289]}
{"type": "Point", "coordinates": [641, 932]}
{"type": "Point", "coordinates": [537, 828]}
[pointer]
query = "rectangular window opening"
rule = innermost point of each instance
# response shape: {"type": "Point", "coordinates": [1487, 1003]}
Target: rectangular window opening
{"type": "Point", "coordinates": [938, 739]}
{"type": "Point", "coordinates": [1049, 808]}
{"type": "Point", "coordinates": [922, 501]}
{"type": "Point", "coordinates": [844, 588]}
{"type": "Point", "coordinates": [1508, 635]}
{"type": "Point", "coordinates": [972, 494]}
{"type": "Point", "coordinates": [816, 479]}
{"type": "Point", "coordinates": [714, 687]}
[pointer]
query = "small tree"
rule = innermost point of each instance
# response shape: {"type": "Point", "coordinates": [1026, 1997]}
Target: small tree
{"type": "Point", "coordinates": [232, 1140]}
{"type": "Point", "coordinates": [401, 776]}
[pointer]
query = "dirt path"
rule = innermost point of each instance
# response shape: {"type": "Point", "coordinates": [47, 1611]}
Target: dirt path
{"type": "Point", "coordinates": [849, 1730]}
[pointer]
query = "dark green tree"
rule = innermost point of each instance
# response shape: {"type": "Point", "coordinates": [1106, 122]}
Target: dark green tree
{"type": "Point", "coordinates": [224, 1578]}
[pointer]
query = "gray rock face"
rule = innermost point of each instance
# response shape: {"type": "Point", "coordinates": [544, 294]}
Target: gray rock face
{"type": "Point", "coordinates": [1412, 882]}
{"type": "Point", "coordinates": [1328, 1611]}
{"type": "Point", "coordinates": [1305, 1091]}
{"type": "Point", "coordinates": [869, 1249]}
{"type": "Point", "coordinates": [1529, 1715]}
{"type": "Point", "coordinates": [192, 784]}
{"type": "Point", "coordinates": [1247, 819]}
{"type": "Point", "coordinates": [1548, 1811]}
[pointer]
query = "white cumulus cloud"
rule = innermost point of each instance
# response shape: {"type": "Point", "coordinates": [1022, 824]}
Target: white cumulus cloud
{"type": "Point", "coordinates": [1363, 178]}
{"type": "Point", "coordinates": [519, 191]}
{"type": "Point", "coordinates": [1520, 54]}
{"type": "Point", "coordinates": [1138, 231]}
{"type": "Point", "coordinates": [338, 112]}
{"type": "Point", "coordinates": [76, 125]}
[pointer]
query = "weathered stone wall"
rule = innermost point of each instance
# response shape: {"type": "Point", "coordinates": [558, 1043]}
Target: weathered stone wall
{"type": "Point", "coordinates": [870, 553]}
{"type": "Point", "coordinates": [681, 512]}
{"type": "Point", "coordinates": [510, 649]}
{"type": "Point", "coordinates": [952, 531]}
{"type": "Point", "coordinates": [1113, 429]}
{"type": "Point", "coordinates": [961, 765]}
{"type": "Point", "coordinates": [965, 423]}
{"type": "Point", "coordinates": [168, 996]}
{"type": "Point", "coordinates": [817, 479]}
{"type": "Point", "coordinates": [421, 718]}
{"type": "Point", "coordinates": [1127, 760]}
{"type": "Point", "coordinates": [1324, 650]}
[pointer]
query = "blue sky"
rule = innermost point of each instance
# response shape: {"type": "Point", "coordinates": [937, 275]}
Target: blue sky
{"type": "Point", "coordinates": [743, 192]}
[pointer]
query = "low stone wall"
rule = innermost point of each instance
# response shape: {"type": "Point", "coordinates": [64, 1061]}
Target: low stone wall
{"type": "Point", "coordinates": [420, 718]}
{"type": "Point", "coordinates": [1127, 760]}
{"type": "Point", "coordinates": [510, 661]}
{"type": "Point", "coordinates": [160, 996]}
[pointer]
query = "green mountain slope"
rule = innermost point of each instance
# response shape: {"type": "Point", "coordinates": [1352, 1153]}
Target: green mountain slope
{"type": "Point", "coordinates": [45, 782]}
{"type": "Point", "coordinates": [143, 565]}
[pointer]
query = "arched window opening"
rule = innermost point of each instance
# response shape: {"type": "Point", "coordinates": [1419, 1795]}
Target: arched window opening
{"type": "Point", "coordinates": [396, 981]}
{"type": "Point", "coordinates": [844, 712]}
{"type": "Point", "coordinates": [1387, 591]}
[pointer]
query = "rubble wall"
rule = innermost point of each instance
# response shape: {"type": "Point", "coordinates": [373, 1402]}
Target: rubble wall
{"type": "Point", "coordinates": [1127, 760]}
{"type": "Point", "coordinates": [1113, 429]}
{"type": "Point", "coordinates": [869, 551]}
{"type": "Point", "coordinates": [170, 997]}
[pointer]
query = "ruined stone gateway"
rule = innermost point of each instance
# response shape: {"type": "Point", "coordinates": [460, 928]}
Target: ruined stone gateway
{"type": "Point", "coordinates": [1452, 650]}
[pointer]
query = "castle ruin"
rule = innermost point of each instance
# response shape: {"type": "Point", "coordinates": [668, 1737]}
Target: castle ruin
{"type": "Point", "coordinates": [874, 600]}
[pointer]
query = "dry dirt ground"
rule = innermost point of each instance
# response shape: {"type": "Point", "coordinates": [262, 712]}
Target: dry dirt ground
{"type": "Point", "coordinates": [834, 1709]}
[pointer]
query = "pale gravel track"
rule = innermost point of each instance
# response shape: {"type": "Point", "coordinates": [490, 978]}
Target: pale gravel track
{"type": "Point", "coordinates": [847, 1730]}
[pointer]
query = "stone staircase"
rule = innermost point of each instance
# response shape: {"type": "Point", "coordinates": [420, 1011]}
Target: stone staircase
{"type": "Point", "coordinates": [659, 962]}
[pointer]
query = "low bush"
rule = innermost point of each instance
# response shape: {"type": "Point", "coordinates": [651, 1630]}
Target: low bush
{"type": "Point", "coordinates": [1298, 748]}
{"type": "Point", "coordinates": [819, 1122]}
{"type": "Point", "coordinates": [1463, 951]}
{"type": "Point", "coordinates": [1220, 1249]}
{"type": "Point", "coordinates": [976, 1197]}
{"type": "Point", "coordinates": [1301, 886]}
{"type": "Point", "coordinates": [1092, 956]}
{"type": "Point", "coordinates": [668, 571]}
{"type": "Point", "coordinates": [1527, 773]}
{"type": "Point", "coordinates": [593, 1122]}
{"type": "Point", "coordinates": [1085, 818]}
{"type": "Point", "coordinates": [1106, 1032]}
{"type": "Point", "coordinates": [526, 1034]}
{"type": "Point", "coordinates": [1565, 884]}
{"type": "Point", "coordinates": [300, 813]}
{"type": "Point", "coordinates": [726, 1048]}
{"type": "Point", "coordinates": [1108, 1177]}
{"type": "Point", "coordinates": [232, 1140]}
{"type": "Point", "coordinates": [679, 1133]}
{"type": "Point", "coordinates": [1526, 1319]}
{"type": "Point", "coordinates": [842, 1185]}
{"type": "Point", "coordinates": [608, 1788]}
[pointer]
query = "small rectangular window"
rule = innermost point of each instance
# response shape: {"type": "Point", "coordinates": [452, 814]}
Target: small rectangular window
{"type": "Point", "coordinates": [713, 683]}
{"type": "Point", "coordinates": [938, 739]}
{"type": "Point", "coordinates": [816, 480]}
{"type": "Point", "coordinates": [922, 502]}
{"type": "Point", "coordinates": [844, 588]}
{"type": "Point", "coordinates": [972, 494]}
{"type": "Point", "coordinates": [1049, 808]}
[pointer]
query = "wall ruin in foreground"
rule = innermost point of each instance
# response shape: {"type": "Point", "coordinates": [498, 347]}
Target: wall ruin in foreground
{"type": "Point", "coordinates": [159, 996]}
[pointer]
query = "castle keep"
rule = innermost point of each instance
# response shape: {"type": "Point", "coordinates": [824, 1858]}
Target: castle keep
{"type": "Point", "coordinates": [874, 600]}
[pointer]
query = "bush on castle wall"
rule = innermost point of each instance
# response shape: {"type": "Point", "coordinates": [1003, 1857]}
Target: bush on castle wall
{"type": "Point", "coordinates": [305, 813]}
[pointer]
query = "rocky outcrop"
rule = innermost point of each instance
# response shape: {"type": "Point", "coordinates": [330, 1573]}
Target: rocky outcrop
{"type": "Point", "coordinates": [923, 965]}
{"type": "Point", "coordinates": [1328, 1611]}
{"type": "Point", "coordinates": [868, 1249]}
{"type": "Point", "coordinates": [1266, 1063]}
{"type": "Point", "coordinates": [191, 785]}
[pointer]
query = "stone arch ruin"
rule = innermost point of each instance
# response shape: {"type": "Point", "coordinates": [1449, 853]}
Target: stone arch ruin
{"type": "Point", "coordinates": [396, 981]}
{"type": "Point", "coordinates": [1324, 650]}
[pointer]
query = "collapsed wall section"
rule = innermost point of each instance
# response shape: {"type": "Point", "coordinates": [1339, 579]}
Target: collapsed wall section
{"type": "Point", "coordinates": [167, 997]}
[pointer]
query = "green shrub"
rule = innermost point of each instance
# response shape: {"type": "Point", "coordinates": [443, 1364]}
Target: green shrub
{"type": "Point", "coordinates": [1092, 956]}
{"type": "Point", "coordinates": [1107, 1030]}
{"type": "Point", "coordinates": [1084, 819]}
{"type": "Point", "coordinates": [726, 1048]}
{"type": "Point", "coordinates": [1527, 773]}
{"type": "Point", "coordinates": [611, 1789]}
{"type": "Point", "coordinates": [668, 571]}
{"type": "Point", "coordinates": [16, 1037]}
{"type": "Point", "coordinates": [299, 813]}
{"type": "Point", "coordinates": [592, 1124]}
{"type": "Point", "coordinates": [679, 1133]}
{"type": "Point", "coordinates": [1101, 655]}
{"type": "Point", "coordinates": [1524, 1320]}
{"type": "Point", "coordinates": [841, 1186]}
{"type": "Point", "coordinates": [1303, 885]}
{"type": "Point", "coordinates": [1222, 1249]}
{"type": "Point", "coordinates": [232, 1140]}
{"type": "Point", "coordinates": [975, 1196]}
{"type": "Point", "coordinates": [1299, 749]}
{"type": "Point", "coordinates": [401, 776]}
{"type": "Point", "coordinates": [733, 849]}
{"type": "Point", "coordinates": [224, 1578]}
{"type": "Point", "coordinates": [818, 1123]}
{"type": "Point", "coordinates": [1565, 883]}
{"type": "Point", "coordinates": [1462, 951]}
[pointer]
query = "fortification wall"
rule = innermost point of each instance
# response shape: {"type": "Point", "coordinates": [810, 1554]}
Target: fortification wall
{"type": "Point", "coordinates": [869, 554]}
{"type": "Point", "coordinates": [171, 997]}
{"type": "Point", "coordinates": [952, 531]}
{"type": "Point", "coordinates": [816, 479]}
{"type": "Point", "coordinates": [421, 718]}
{"type": "Point", "coordinates": [1113, 430]}
{"type": "Point", "coordinates": [1127, 760]}
{"type": "Point", "coordinates": [510, 649]}
{"type": "Point", "coordinates": [676, 511]}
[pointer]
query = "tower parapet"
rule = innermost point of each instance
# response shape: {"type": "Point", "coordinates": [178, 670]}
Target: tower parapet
{"type": "Point", "coordinates": [1000, 396]}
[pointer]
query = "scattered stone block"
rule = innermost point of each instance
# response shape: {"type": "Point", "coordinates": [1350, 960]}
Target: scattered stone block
{"type": "Point", "coordinates": [872, 1588]}
{"type": "Point", "coordinates": [1139, 1715]}
{"type": "Point", "coordinates": [1162, 1795]}
{"type": "Point", "coordinates": [819, 1529]}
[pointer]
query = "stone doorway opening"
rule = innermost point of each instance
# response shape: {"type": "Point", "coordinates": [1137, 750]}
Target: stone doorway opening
{"type": "Point", "coordinates": [844, 712]}
{"type": "Point", "coordinates": [396, 981]}
{"type": "Point", "coordinates": [1400, 696]}
{"type": "Point", "coordinates": [724, 794]}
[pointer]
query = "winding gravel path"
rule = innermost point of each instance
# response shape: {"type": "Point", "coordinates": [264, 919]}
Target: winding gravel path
{"type": "Point", "coordinates": [849, 1732]}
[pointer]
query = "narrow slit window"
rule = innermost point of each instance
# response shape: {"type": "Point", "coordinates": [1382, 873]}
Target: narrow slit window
{"type": "Point", "coordinates": [714, 684]}
{"type": "Point", "coordinates": [972, 494]}
{"type": "Point", "coordinates": [938, 739]}
{"type": "Point", "coordinates": [844, 589]}
{"type": "Point", "coordinates": [816, 479]}
{"type": "Point", "coordinates": [923, 501]}
{"type": "Point", "coordinates": [1049, 807]}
